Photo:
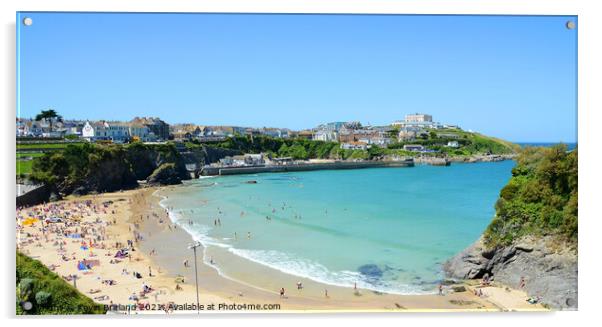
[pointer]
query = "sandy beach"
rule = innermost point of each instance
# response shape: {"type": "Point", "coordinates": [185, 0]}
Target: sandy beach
{"type": "Point", "coordinates": [124, 251]}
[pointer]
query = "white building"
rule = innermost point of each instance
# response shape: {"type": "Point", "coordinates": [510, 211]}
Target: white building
{"type": "Point", "coordinates": [418, 118]}
{"type": "Point", "coordinates": [453, 144]}
{"type": "Point", "coordinates": [142, 133]}
{"type": "Point", "coordinates": [88, 131]}
{"type": "Point", "coordinates": [418, 121]}
{"type": "Point", "coordinates": [354, 146]}
{"type": "Point", "coordinates": [326, 135]}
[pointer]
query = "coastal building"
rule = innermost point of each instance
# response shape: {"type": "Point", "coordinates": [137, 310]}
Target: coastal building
{"type": "Point", "coordinates": [248, 159]}
{"type": "Point", "coordinates": [453, 144]}
{"type": "Point", "coordinates": [274, 132]}
{"type": "Point", "coordinates": [408, 134]}
{"type": "Point", "coordinates": [142, 133]}
{"type": "Point", "coordinates": [185, 132]}
{"type": "Point", "coordinates": [88, 131]}
{"type": "Point", "coordinates": [333, 126]}
{"type": "Point", "coordinates": [73, 127]}
{"type": "Point", "coordinates": [354, 146]}
{"type": "Point", "coordinates": [448, 135]}
{"type": "Point", "coordinates": [157, 126]}
{"type": "Point", "coordinates": [417, 120]}
{"type": "Point", "coordinates": [116, 132]}
{"type": "Point", "coordinates": [254, 159]}
{"type": "Point", "coordinates": [305, 134]}
{"type": "Point", "coordinates": [365, 136]}
{"type": "Point", "coordinates": [326, 135]}
{"type": "Point", "coordinates": [282, 161]}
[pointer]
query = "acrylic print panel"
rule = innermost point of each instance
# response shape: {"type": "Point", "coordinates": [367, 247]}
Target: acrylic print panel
{"type": "Point", "coordinates": [193, 163]}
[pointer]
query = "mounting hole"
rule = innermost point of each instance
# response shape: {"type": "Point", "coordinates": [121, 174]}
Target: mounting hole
{"type": "Point", "coordinates": [570, 24]}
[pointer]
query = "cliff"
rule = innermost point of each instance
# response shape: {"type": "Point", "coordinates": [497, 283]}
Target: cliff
{"type": "Point", "coordinates": [549, 270]}
{"type": "Point", "coordinates": [87, 168]}
{"type": "Point", "coordinates": [533, 235]}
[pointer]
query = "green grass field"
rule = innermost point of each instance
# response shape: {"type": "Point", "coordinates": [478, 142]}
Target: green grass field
{"type": "Point", "coordinates": [24, 166]}
{"type": "Point", "coordinates": [44, 146]}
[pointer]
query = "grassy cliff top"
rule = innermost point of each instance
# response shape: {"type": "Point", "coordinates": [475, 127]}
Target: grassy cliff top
{"type": "Point", "coordinates": [540, 199]}
{"type": "Point", "coordinates": [47, 292]}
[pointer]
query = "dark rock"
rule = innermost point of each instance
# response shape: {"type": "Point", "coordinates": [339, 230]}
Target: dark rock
{"type": "Point", "coordinates": [166, 174]}
{"type": "Point", "coordinates": [80, 191]}
{"type": "Point", "coordinates": [459, 288]}
{"type": "Point", "coordinates": [448, 282]}
{"type": "Point", "coordinates": [549, 274]}
{"type": "Point", "coordinates": [54, 196]}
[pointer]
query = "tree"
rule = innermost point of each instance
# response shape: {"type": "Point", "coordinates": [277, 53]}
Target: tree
{"type": "Point", "coordinates": [49, 115]}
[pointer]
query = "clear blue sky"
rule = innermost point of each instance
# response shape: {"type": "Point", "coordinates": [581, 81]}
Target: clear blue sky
{"type": "Point", "coordinates": [510, 77]}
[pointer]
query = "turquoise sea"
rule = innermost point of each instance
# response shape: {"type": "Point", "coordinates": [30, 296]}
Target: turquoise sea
{"type": "Point", "coordinates": [386, 229]}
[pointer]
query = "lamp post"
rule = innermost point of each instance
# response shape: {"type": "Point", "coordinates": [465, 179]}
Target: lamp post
{"type": "Point", "coordinates": [196, 276]}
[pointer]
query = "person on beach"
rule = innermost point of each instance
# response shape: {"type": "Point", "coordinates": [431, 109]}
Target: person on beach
{"type": "Point", "coordinates": [299, 285]}
{"type": "Point", "coordinates": [440, 289]}
{"type": "Point", "coordinates": [249, 235]}
{"type": "Point", "coordinates": [282, 292]}
{"type": "Point", "coordinates": [186, 263]}
{"type": "Point", "coordinates": [522, 282]}
{"type": "Point", "coordinates": [325, 293]}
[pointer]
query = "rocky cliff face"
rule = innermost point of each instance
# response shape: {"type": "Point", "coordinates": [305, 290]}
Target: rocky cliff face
{"type": "Point", "coordinates": [166, 174]}
{"type": "Point", "coordinates": [550, 271]}
{"type": "Point", "coordinates": [210, 155]}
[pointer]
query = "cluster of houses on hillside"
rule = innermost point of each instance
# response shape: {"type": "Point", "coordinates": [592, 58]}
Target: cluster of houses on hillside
{"type": "Point", "coordinates": [217, 133]}
{"type": "Point", "coordinates": [350, 135]}
{"type": "Point", "coordinates": [146, 129]}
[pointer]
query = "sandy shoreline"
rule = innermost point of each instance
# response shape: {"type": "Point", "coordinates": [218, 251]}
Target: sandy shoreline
{"type": "Point", "coordinates": [137, 212]}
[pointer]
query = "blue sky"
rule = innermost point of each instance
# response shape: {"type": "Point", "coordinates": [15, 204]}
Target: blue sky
{"type": "Point", "coordinates": [506, 76]}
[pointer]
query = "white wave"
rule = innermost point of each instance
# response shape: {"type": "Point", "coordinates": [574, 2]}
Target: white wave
{"type": "Point", "coordinates": [207, 177]}
{"type": "Point", "coordinates": [317, 272]}
{"type": "Point", "coordinates": [284, 262]}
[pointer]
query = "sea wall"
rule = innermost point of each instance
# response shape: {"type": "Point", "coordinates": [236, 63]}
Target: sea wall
{"type": "Point", "coordinates": [433, 161]}
{"type": "Point", "coordinates": [211, 171]}
{"type": "Point", "coordinates": [482, 158]}
{"type": "Point", "coordinates": [549, 269]}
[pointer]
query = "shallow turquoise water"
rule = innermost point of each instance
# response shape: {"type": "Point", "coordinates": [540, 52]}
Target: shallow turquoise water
{"type": "Point", "coordinates": [386, 229]}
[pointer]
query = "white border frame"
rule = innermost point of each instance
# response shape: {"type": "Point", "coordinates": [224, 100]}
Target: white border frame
{"type": "Point", "coordinates": [589, 24]}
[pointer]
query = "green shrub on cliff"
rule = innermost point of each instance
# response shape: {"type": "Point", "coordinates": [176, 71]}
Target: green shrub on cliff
{"type": "Point", "coordinates": [47, 293]}
{"type": "Point", "coordinates": [98, 168]}
{"type": "Point", "coordinates": [103, 168]}
{"type": "Point", "coordinates": [540, 198]}
{"type": "Point", "coordinates": [297, 148]}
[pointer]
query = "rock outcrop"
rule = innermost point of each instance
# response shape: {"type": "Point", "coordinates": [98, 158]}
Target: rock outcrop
{"type": "Point", "coordinates": [550, 271]}
{"type": "Point", "coordinates": [166, 174]}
